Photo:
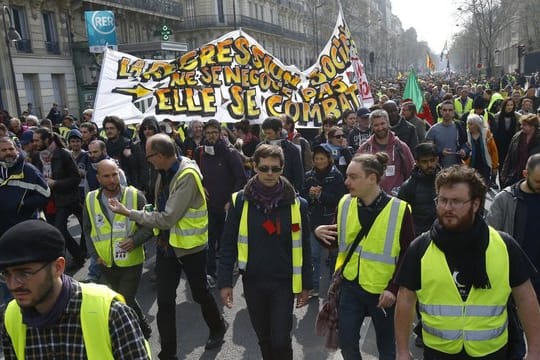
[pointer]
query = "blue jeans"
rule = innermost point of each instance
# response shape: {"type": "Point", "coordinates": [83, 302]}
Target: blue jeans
{"type": "Point", "coordinates": [216, 222]}
{"type": "Point", "coordinates": [316, 250]}
{"type": "Point", "coordinates": [354, 305]}
{"type": "Point", "coordinates": [94, 271]}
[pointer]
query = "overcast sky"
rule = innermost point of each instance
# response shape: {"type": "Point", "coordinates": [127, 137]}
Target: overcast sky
{"type": "Point", "coordinates": [434, 20]}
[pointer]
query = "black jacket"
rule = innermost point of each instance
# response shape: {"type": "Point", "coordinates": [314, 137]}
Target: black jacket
{"type": "Point", "coordinates": [145, 174]}
{"type": "Point", "coordinates": [406, 132]}
{"type": "Point", "coordinates": [511, 171]}
{"type": "Point", "coordinates": [223, 174]}
{"type": "Point", "coordinates": [115, 149]}
{"type": "Point", "coordinates": [269, 255]}
{"type": "Point", "coordinates": [322, 210]}
{"type": "Point", "coordinates": [64, 171]}
{"type": "Point", "coordinates": [419, 191]}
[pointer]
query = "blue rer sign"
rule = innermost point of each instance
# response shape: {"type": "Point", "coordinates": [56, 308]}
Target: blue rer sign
{"type": "Point", "coordinates": [101, 30]}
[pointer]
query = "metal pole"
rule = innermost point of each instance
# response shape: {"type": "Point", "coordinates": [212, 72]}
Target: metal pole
{"type": "Point", "coordinates": [12, 68]}
{"type": "Point", "coordinates": [234, 13]}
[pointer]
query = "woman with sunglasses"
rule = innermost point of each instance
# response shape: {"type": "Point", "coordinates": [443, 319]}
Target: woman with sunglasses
{"type": "Point", "coordinates": [341, 153]}
{"type": "Point", "coordinates": [266, 231]}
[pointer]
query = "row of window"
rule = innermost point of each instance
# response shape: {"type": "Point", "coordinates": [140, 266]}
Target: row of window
{"type": "Point", "coordinates": [20, 23]}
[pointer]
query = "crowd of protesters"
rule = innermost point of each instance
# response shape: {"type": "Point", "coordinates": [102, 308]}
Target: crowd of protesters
{"type": "Point", "coordinates": [61, 166]}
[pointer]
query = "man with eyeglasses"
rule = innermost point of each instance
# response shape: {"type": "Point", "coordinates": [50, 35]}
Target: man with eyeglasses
{"type": "Point", "coordinates": [223, 174]}
{"type": "Point", "coordinates": [146, 174]}
{"type": "Point", "coordinates": [449, 136]}
{"type": "Point", "coordinates": [268, 222]}
{"type": "Point", "coordinates": [180, 217]}
{"type": "Point", "coordinates": [462, 273]}
{"type": "Point", "coordinates": [54, 316]}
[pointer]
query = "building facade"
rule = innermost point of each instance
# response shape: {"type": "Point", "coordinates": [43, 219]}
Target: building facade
{"type": "Point", "coordinates": [41, 61]}
{"type": "Point", "coordinates": [52, 62]}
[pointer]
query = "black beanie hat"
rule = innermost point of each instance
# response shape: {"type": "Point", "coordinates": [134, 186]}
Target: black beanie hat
{"type": "Point", "coordinates": [30, 241]}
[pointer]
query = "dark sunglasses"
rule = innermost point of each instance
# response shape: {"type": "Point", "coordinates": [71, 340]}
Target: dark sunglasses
{"type": "Point", "coordinates": [148, 128]}
{"type": "Point", "coordinates": [273, 169]}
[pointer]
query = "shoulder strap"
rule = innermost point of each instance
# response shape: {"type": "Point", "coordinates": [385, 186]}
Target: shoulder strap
{"type": "Point", "coordinates": [359, 237]}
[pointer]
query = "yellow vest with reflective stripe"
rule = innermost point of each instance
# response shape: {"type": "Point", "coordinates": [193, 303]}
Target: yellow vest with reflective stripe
{"type": "Point", "coordinates": [296, 243]}
{"type": "Point", "coordinates": [106, 236]}
{"type": "Point", "coordinates": [192, 229]}
{"type": "Point", "coordinates": [459, 107]}
{"type": "Point", "coordinates": [478, 324]}
{"type": "Point", "coordinates": [374, 261]}
{"type": "Point", "coordinates": [64, 131]}
{"type": "Point", "coordinates": [95, 308]}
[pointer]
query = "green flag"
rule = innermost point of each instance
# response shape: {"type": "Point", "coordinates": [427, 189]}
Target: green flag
{"type": "Point", "coordinates": [413, 91]}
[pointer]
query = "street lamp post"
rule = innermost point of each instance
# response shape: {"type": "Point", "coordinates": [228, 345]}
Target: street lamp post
{"type": "Point", "coordinates": [316, 29]}
{"type": "Point", "coordinates": [11, 35]}
{"type": "Point", "coordinates": [234, 13]}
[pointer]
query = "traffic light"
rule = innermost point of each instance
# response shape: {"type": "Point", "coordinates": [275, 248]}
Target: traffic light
{"type": "Point", "coordinates": [521, 50]}
{"type": "Point", "coordinates": [165, 33]}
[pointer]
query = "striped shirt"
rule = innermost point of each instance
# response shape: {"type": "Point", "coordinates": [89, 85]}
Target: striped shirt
{"type": "Point", "coordinates": [64, 340]}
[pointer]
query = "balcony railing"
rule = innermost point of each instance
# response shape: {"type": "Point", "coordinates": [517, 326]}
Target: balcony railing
{"type": "Point", "coordinates": [246, 22]}
{"type": "Point", "coordinates": [169, 7]}
{"type": "Point", "coordinates": [24, 45]}
{"type": "Point", "coordinates": [52, 47]}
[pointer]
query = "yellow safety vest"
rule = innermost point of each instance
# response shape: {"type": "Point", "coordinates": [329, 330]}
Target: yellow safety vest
{"type": "Point", "coordinates": [374, 260]}
{"type": "Point", "coordinates": [95, 308]}
{"type": "Point", "coordinates": [106, 236]}
{"type": "Point", "coordinates": [494, 97]}
{"type": "Point", "coordinates": [191, 230]}
{"type": "Point", "coordinates": [478, 324]}
{"type": "Point", "coordinates": [459, 106]}
{"type": "Point", "coordinates": [296, 243]}
{"type": "Point", "coordinates": [64, 131]}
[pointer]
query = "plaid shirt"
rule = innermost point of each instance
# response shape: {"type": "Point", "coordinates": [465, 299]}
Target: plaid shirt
{"type": "Point", "coordinates": [65, 339]}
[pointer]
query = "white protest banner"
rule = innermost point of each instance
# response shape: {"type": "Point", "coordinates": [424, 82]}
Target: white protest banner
{"type": "Point", "coordinates": [231, 79]}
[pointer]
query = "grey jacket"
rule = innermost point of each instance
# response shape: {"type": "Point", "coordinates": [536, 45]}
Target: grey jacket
{"type": "Point", "coordinates": [503, 210]}
{"type": "Point", "coordinates": [183, 195]}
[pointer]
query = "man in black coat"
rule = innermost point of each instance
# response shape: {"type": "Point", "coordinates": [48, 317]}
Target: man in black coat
{"type": "Point", "coordinates": [419, 189]}
{"type": "Point", "coordinates": [62, 175]}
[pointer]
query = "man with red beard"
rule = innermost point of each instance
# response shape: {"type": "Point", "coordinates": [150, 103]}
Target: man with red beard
{"type": "Point", "coordinates": [401, 161]}
{"type": "Point", "coordinates": [462, 273]}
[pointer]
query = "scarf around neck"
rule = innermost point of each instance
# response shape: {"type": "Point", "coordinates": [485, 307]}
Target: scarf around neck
{"type": "Point", "coordinates": [467, 249]}
{"type": "Point", "coordinates": [266, 198]}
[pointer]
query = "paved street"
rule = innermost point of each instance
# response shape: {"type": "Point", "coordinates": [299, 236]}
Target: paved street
{"type": "Point", "coordinates": [240, 340]}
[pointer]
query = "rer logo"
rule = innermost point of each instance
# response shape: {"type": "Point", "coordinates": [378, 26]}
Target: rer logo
{"type": "Point", "coordinates": [103, 22]}
{"type": "Point", "coordinates": [101, 30]}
